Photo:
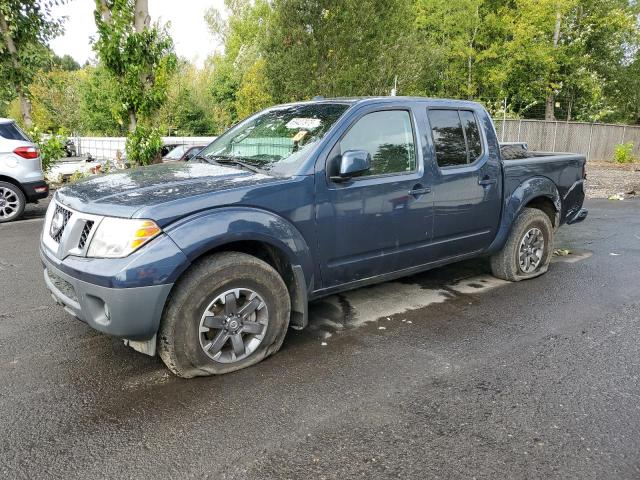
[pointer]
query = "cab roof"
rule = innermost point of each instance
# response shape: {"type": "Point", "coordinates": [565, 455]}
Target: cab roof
{"type": "Point", "coordinates": [353, 101]}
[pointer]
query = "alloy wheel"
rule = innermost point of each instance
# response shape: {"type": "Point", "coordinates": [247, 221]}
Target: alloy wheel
{"type": "Point", "coordinates": [531, 250]}
{"type": "Point", "coordinates": [233, 325]}
{"type": "Point", "coordinates": [9, 203]}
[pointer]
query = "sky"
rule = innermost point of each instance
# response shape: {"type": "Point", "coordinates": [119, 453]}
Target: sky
{"type": "Point", "coordinates": [187, 27]}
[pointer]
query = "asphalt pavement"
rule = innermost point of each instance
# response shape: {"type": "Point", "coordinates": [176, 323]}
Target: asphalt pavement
{"type": "Point", "coordinates": [477, 379]}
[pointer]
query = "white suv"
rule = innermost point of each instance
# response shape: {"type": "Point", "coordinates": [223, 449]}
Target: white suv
{"type": "Point", "coordinates": [21, 176]}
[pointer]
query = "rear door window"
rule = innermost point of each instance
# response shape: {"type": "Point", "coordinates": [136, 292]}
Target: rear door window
{"type": "Point", "coordinates": [10, 131]}
{"type": "Point", "coordinates": [472, 132]}
{"type": "Point", "coordinates": [448, 138]}
{"type": "Point", "coordinates": [456, 137]}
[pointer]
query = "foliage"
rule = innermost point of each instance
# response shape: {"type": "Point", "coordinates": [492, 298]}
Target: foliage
{"type": "Point", "coordinates": [143, 145]}
{"type": "Point", "coordinates": [79, 175]}
{"type": "Point", "coordinates": [623, 153]}
{"type": "Point", "coordinates": [338, 48]}
{"type": "Point", "coordinates": [54, 100]}
{"type": "Point", "coordinates": [100, 107]}
{"type": "Point", "coordinates": [581, 55]}
{"type": "Point", "coordinates": [140, 58]}
{"type": "Point", "coordinates": [64, 62]}
{"type": "Point", "coordinates": [253, 93]}
{"type": "Point", "coordinates": [51, 147]}
{"type": "Point", "coordinates": [25, 27]}
{"type": "Point", "coordinates": [189, 109]}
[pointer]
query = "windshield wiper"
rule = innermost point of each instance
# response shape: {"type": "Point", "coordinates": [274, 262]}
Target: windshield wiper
{"type": "Point", "coordinates": [228, 160]}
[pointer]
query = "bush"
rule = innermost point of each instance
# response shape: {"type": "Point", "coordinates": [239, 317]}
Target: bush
{"type": "Point", "coordinates": [51, 147]}
{"type": "Point", "coordinates": [143, 146]}
{"type": "Point", "coordinates": [623, 153]}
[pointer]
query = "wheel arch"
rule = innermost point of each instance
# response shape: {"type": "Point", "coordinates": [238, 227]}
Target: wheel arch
{"type": "Point", "coordinates": [258, 233]}
{"type": "Point", "coordinates": [536, 192]}
{"type": "Point", "coordinates": [13, 181]}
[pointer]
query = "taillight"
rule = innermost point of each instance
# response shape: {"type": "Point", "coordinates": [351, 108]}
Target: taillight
{"type": "Point", "coordinates": [27, 152]}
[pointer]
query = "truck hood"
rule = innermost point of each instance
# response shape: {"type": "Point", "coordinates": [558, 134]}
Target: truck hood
{"type": "Point", "coordinates": [124, 193]}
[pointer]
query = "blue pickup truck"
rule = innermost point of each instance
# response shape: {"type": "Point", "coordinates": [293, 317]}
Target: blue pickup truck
{"type": "Point", "coordinates": [209, 262]}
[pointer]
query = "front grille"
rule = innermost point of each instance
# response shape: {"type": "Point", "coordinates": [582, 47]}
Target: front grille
{"type": "Point", "coordinates": [63, 286]}
{"type": "Point", "coordinates": [59, 222]}
{"type": "Point", "coordinates": [85, 234]}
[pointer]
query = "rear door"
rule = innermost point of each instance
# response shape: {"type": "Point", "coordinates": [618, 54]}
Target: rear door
{"type": "Point", "coordinates": [363, 224]}
{"type": "Point", "coordinates": [467, 182]}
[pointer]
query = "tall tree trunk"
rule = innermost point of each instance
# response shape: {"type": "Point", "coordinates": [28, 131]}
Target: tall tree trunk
{"type": "Point", "coordinates": [25, 109]}
{"type": "Point", "coordinates": [25, 104]}
{"type": "Point", "coordinates": [550, 104]}
{"type": "Point", "coordinates": [141, 17]}
{"type": "Point", "coordinates": [105, 11]}
{"type": "Point", "coordinates": [133, 120]}
{"type": "Point", "coordinates": [470, 57]}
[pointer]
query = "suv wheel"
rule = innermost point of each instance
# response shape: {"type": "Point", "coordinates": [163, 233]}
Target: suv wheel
{"type": "Point", "coordinates": [229, 311]}
{"type": "Point", "coordinates": [528, 250]}
{"type": "Point", "coordinates": [12, 202]}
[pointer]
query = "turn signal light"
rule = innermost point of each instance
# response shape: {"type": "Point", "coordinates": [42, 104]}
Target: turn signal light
{"type": "Point", "coordinates": [146, 232]}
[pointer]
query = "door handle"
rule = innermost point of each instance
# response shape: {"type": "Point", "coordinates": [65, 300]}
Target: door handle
{"type": "Point", "coordinates": [486, 181]}
{"type": "Point", "coordinates": [419, 191]}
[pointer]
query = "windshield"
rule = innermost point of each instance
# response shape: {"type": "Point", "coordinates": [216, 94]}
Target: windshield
{"type": "Point", "coordinates": [278, 139]}
{"type": "Point", "coordinates": [176, 153]}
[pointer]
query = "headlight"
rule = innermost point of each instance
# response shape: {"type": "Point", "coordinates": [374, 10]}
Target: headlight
{"type": "Point", "coordinates": [118, 237]}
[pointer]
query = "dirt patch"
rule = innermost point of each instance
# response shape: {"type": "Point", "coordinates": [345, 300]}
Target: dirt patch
{"type": "Point", "coordinates": [605, 179]}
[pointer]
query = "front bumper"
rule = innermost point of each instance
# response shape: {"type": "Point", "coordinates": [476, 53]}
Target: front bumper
{"type": "Point", "coordinates": [35, 191]}
{"type": "Point", "coordinates": [131, 313]}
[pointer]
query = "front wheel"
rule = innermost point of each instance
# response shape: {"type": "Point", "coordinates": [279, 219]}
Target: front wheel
{"type": "Point", "coordinates": [528, 250]}
{"type": "Point", "coordinates": [229, 311]}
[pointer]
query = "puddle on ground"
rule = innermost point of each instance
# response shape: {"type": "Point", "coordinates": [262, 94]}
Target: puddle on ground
{"type": "Point", "coordinates": [354, 308]}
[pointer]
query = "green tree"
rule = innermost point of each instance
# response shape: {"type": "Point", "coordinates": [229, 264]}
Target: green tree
{"type": "Point", "coordinates": [26, 26]}
{"type": "Point", "coordinates": [242, 31]}
{"type": "Point", "coordinates": [189, 109]}
{"type": "Point", "coordinates": [138, 54]}
{"type": "Point", "coordinates": [347, 47]}
{"type": "Point", "coordinates": [55, 99]}
{"type": "Point", "coordinates": [64, 62]}
{"type": "Point", "coordinates": [100, 104]}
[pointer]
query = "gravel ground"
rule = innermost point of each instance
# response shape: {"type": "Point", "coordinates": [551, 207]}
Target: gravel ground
{"type": "Point", "coordinates": [608, 178]}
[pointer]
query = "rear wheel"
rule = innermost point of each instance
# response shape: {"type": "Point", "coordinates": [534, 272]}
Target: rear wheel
{"type": "Point", "coordinates": [230, 311]}
{"type": "Point", "coordinates": [528, 250]}
{"type": "Point", "coordinates": [12, 202]}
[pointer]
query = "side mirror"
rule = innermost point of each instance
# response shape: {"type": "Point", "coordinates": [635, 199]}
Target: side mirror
{"type": "Point", "coordinates": [352, 164]}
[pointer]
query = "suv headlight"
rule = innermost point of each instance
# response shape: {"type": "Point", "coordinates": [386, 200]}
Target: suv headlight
{"type": "Point", "coordinates": [119, 237]}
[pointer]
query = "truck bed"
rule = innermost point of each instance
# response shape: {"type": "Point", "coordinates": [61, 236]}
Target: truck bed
{"type": "Point", "coordinates": [565, 170]}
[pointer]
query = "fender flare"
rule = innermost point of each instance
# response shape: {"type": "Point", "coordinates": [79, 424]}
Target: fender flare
{"type": "Point", "coordinates": [527, 191]}
{"type": "Point", "coordinates": [205, 231]}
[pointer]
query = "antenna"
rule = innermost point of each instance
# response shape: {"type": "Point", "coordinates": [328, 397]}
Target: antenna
{"type": "Point", "coordinates": [394, 90]}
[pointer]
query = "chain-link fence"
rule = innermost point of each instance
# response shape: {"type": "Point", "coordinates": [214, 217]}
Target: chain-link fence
{"type": "Point", "coordinates": [596, 141]}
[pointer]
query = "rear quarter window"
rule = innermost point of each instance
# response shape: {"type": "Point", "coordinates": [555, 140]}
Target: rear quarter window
{"type": "Point", "coordinates": [10, 131]}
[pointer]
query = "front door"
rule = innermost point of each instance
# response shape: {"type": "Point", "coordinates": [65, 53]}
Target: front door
{"type": "Point", "coordinates": [363, 223]}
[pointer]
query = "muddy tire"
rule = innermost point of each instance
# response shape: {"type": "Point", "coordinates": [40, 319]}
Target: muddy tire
{"type": "Point", "coordinates": [12, 202]}
{"type": "Point", "coordinates": [528, 250]}
{"type": "Point", "coordinates": [228, 311]}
